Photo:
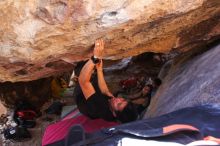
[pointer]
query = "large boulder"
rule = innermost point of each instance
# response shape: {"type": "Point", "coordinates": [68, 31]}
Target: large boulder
{"type": "Point", "coordinates": [40, 38]}
{"type": "Point", "coordinates": [193, 79]}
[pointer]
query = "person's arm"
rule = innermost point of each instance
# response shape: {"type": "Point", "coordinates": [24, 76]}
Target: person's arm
{"type": "Point", "coordinates": [86, 72]}
{"type": "Point", "coordinates": [134, 96]}
{"type": "Point", "coordinates": [84, 79]}
{"type": "Point", "coordinates": [139, 101]}
{"type": "Point", "coordinates": [101, 80]}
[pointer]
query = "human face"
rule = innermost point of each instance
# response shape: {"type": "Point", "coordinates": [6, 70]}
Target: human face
{"type": "Point", "coordinates": [118, 104]}
{"type": "Point", "coordinates": [146, 90]}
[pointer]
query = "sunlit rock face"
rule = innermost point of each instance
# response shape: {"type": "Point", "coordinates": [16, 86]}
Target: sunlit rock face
{"type": "Point", "coordinates": [40, 38]}
{"type": "Point", "coordinates": [193, 79]}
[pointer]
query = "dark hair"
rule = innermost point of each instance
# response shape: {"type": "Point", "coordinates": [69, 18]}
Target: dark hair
{"type": "Point", "coordinates": [157, 82]}
{"type": "Point", "coordinates": [128, 114]}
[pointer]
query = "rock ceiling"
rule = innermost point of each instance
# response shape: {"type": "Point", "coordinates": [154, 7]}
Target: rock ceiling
{"type": "Point", "coordinates": [40, 38]}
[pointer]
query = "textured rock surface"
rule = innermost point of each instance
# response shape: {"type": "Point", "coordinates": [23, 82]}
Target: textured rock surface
{"type": "Point", "coordinates": [38, 37]}
{"type": "Point", "coordinates": [3, 109]}
{"type": "Point", "coordinates": [36, 92]}
{"type": "Point", "coordinates": [193, 80]}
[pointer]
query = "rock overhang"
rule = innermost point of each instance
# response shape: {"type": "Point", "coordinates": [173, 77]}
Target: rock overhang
{"type": "Point", "coordinates": [45, 37]}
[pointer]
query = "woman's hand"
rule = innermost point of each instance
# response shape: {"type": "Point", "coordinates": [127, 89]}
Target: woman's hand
{"type": "Point", "coordinates": [99, 48]}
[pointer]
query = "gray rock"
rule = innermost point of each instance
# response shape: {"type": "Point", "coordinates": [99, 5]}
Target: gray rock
{"type": "Point", "coordinates": [189, 82]}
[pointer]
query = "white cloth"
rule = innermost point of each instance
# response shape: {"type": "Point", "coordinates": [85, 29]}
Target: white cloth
{"type": "Point", "coordinates": [139, 142]}
{"type": "Point", "coordinates": [72, 76]}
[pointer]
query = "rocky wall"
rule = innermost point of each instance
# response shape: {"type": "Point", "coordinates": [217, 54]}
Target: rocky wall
{"type": "Point", "coordinates": [191, 79]}
{"type": "Point", "coordinates": [36, 35]}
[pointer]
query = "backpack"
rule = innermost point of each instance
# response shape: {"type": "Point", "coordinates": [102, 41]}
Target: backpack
{"type": "Point", "coordinates": [25, 123]}
{"type": "Point", "coordinates": [25, 115]}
